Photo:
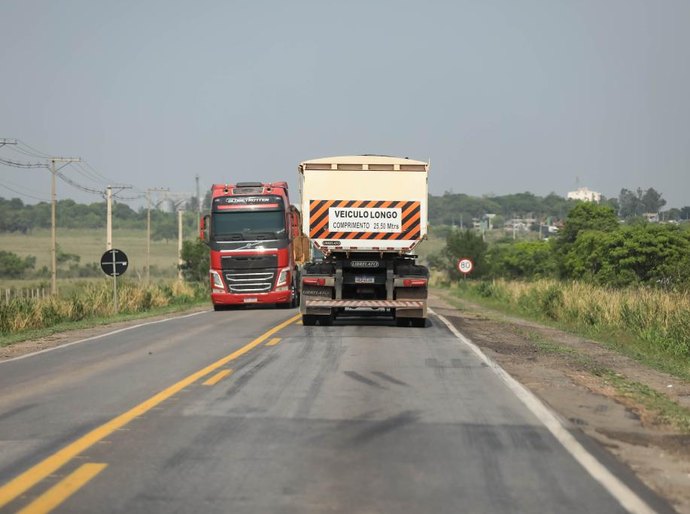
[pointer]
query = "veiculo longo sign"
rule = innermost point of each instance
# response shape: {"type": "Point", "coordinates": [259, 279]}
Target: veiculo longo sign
{"type": "Point", "coordinates": [364, 219]}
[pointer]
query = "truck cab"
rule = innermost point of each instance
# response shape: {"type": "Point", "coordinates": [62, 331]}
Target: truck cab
{"type": "Point", "coordinates": [250, 232]}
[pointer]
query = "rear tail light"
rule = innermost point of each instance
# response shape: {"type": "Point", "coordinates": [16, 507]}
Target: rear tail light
{"type": "Point", "coordinates": [314, 281]}
{"type": "Point", "coordinates": [414, 282]}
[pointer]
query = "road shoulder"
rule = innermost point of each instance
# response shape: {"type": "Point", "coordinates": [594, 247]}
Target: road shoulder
{"type": "Point", "coordinates": [29, 346]}
{"type": "Point", "coordinates": [573, 376]}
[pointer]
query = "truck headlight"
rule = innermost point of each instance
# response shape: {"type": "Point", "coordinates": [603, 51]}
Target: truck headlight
{"type": "Point", "coordinates": [216, 280]}
{"type": "Point", "coordinates": [283, 277]}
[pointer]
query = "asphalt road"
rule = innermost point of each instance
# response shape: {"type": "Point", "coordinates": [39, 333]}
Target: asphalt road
{"type": "Point", "coordinates": [250, 412]}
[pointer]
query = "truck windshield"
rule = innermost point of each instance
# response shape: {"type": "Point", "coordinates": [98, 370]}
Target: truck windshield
{"type": "Point", "coordinates": [248, 225]}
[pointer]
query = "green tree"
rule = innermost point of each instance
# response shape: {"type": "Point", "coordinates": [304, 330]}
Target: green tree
{"type": "Point", "coordinates": [164, 228]}
{"type": "Point", "coordinates": [522, 260]}
{"type": "Point", "coordinates": [652, 200]}
{"type": "Point", "coordinates": [468, 244]}
{"type": "Point", "coordinates": [641, 253]}
{"type": "Point", "coordinates": [195, 261]}
{"type": "Point", "coordinates": [13, 266]}
{"type": "Point", "coordinates": [587, 216]}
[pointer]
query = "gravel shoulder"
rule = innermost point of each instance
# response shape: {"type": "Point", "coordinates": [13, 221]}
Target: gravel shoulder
{"type": "Point", "coordinates": [557, 367]}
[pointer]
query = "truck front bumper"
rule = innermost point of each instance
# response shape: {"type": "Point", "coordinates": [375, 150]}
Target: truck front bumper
{"type": "Point", "coordinates": [251, 299]}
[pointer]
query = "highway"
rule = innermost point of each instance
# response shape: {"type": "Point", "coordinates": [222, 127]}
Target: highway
{"type": "Point", "coordinates": [248, 411]}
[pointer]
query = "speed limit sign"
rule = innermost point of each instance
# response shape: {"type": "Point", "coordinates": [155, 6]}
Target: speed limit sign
{"type": "Point", "coordinates": [465, 265]}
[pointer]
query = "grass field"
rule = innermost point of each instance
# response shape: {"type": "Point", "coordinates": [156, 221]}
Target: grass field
{"type": "Point", "coordinates": [90, 245]}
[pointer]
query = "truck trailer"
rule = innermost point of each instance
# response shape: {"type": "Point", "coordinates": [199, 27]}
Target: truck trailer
{"type": "Point", "coordinates": [365, 214]}
{"type": "Point", "coordinates": [250, 233]}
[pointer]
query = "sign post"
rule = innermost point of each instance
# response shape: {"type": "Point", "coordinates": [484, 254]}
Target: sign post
{"type": "Point", "coordinates": [114, 263]}
{"type": "Point", "coordinates": [465, 265]}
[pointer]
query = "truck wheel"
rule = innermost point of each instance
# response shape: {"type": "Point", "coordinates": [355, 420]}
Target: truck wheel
{"type": "Point", "coordinates": [295, 295]}
{"type": "Point", "coordinates": [217, 307]}
{"type": "Point", "coordinates": [418, 322]}
{"type": "Point", "coordinates": [309, 320]}
{"type": "Point", "coordinates": [325, 320]}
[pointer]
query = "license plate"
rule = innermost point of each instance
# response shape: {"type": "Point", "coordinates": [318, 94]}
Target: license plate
{"type": "Point", "coordinates": [250, 300]}
{"type": "Point", "coordinates": [364, 280]}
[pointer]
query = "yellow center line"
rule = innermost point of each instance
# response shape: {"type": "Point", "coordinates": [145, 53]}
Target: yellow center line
{"type": "Point", "coordinates": [49, 465]}
{"type": "Point", "coordinates": [65, 488]}
{"type": "Point", "coordinates": [217, 377]}
{"type": "Point", "coordinates": [273, 341]}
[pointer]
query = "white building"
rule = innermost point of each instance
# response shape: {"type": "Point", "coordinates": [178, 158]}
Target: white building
{"type": "Point", "coordinates": [585, 195]}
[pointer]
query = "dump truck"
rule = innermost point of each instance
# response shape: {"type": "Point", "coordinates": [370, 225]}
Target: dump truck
{"type": "Point", "coordinates": [365, 214]}
{"type": "Point", "coordinates": [253, 236]}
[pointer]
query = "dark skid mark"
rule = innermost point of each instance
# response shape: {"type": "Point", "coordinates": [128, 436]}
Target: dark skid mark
{"type": "Point", "coordinates": [389, 378]}
{"type": "Point", "coordinates": [379, 428]}
{"type": "Point", "coordinates": [242, 380]}
{"type": "Point", "coordinates": [364, 380]}
{"type": "Point", "coordinates": [13, 412]}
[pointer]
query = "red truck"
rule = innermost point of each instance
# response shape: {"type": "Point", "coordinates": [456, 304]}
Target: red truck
{"type": "Point", "coordinates": [250, 232]}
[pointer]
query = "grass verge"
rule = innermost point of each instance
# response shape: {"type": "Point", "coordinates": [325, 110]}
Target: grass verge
{"type": "Point", "coordinates": [651, 327]}
{"type": "Point", "coordinates": [92, 305]}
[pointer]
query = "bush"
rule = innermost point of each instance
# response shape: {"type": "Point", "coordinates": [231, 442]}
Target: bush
{"type": "Point", "coordinates": [13, 266]}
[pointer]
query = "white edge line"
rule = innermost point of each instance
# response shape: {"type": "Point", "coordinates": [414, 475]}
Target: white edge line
{"type": "Point", "coordinates": [58, 347]}
{"type": "Point", "coordinates": [621, 492]}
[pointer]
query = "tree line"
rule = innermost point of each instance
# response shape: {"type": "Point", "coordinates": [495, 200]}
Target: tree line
{"type": "Point", "coordinates": [15, 216]}
{"type": "Point", "coordinates": [452, 209]}
{"type": "Point", "coordinates": [457, 209]}
{"type": "Point", "coordinates": [593, 246]}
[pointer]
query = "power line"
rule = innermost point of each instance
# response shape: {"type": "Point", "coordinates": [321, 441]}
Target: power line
{"type": "Point", "coordinates": [78, 186]}
{"type": "Point", "coordinates": [25, 165]}
{"type": "Point", "coordinates": [24, 194]}
{"type": "Point", "coordinates": [96, 172]}
{"type": "Point", "coordinates": [27, 192]}
{"type": "Point", "coordinates": [33, 151]}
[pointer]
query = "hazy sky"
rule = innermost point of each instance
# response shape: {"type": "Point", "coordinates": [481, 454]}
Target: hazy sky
{"type": "Point", "coordinates": [503, 96]}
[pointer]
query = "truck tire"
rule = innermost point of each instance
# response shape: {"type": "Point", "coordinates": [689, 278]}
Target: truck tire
{"type": "Point", "coordinates": [411, 322]}
{"type": "Point", "coordinates": [309, 320]}
{"type": "Point", "coordinates": [325, 321]}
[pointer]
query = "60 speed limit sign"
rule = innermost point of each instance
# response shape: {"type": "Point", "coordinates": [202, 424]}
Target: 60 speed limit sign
{"type": "Point", "coordinates": [465, 265]}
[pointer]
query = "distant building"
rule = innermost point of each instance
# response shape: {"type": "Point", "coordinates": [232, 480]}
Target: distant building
{"type": "Point", "coordinates": [585, 195]}
{"type": "Point", "coordinates": [651, 217]}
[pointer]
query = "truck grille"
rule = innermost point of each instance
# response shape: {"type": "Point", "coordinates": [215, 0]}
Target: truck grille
{"type": "Point", "coordinates": [236, 262]}
{"type": "Point", "coordinates": [250, 282]}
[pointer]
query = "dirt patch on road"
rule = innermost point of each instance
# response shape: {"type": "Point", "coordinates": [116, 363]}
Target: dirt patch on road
{"type": "Point", "coordinates": [579, 379]}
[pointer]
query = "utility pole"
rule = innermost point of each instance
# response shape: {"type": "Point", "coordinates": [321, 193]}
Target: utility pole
{"type": "Point", "coordinates": [198, 202]}
{"type": "Point", "coordinates": [53, 230]}
{"type": "Point", "coordinates": [109, 218]}
{"type": "Point", "coordinates": [180, 212]}
{"type": "Point", "coordinates": [109, 214]}
{"type": "Point", "coordinates": [148, 228]}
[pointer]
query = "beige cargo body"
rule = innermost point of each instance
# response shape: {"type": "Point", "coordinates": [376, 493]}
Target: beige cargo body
{"type": "Point", "coordinates": [364, 203]}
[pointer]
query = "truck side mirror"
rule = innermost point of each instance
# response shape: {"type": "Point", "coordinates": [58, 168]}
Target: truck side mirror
{"type": "Point", "coordinates": [294, 222]}
{"type": "Point", "coordinates": [204, 228]}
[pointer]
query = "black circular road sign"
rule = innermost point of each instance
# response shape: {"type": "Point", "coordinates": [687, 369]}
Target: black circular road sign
{"type": "Point", "coordinates": [114, 262]}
